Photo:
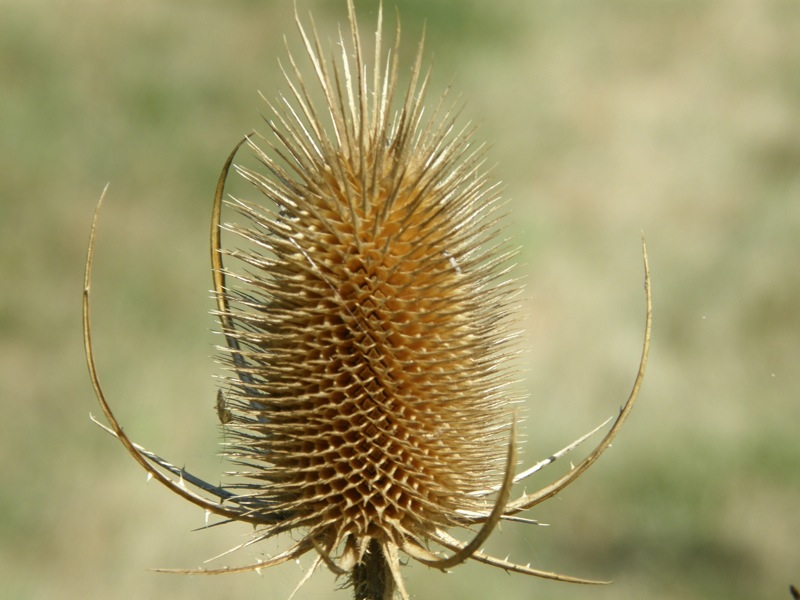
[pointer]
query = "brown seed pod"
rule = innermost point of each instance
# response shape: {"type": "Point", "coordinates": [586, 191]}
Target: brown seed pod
{"type": "Point", "coordinates": [368, 332]}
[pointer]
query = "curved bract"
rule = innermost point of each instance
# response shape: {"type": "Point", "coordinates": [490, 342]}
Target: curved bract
{"type": "Point", "coordinates": [368, 328]}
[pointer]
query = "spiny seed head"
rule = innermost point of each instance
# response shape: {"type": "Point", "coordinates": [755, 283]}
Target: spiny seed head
{"type": "Point", "coordinates": [368, 324]}
{"type": "Point", "coordinates": [368, 334]}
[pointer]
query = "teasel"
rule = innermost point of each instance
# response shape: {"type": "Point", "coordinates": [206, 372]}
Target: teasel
{"type": "Point", "coordinates": [370, 402]}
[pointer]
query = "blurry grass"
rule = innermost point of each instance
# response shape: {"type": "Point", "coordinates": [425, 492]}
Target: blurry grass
{"type": "Point", "coordinates": [677, 118]}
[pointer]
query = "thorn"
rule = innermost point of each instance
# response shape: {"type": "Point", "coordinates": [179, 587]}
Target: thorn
{"type": "Point", "coordinates": [208, 514]}
{"type": "Point", "coordinates": [149, 476]}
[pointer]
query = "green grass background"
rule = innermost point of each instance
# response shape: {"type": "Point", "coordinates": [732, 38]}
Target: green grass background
{"type": "Point", "coordinates": [679, 118]}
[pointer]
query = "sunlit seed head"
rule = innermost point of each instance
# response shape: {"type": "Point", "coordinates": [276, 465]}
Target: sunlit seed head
{"type": "Point", "coordinates": [368, 334]}
{"type": "Point", "coordinates": [369, 312]}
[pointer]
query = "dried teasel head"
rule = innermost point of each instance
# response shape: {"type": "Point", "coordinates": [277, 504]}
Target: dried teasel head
{"type": "Point", "coordinates": [369, 403]}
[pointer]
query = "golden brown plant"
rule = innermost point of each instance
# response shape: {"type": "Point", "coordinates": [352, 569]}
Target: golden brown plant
{"type": "Point", "coordinates": [369, 402]}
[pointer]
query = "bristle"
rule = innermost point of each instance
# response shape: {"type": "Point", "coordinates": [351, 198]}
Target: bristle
{"type": "Point", "coordinates": [371, 398]}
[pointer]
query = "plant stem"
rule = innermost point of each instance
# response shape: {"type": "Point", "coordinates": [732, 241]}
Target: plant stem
{"type": "Point", "coordinates": [372, 579]}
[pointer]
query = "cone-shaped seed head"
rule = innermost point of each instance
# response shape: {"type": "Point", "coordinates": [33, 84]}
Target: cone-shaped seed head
{"type": "Point", "coordinates": [369, 393]}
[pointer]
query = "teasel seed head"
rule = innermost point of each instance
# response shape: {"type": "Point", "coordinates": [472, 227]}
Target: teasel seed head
{"type": "Point", "coordinates": [369, 405]}
{"type": "Point", "coordinates": [371, 392]}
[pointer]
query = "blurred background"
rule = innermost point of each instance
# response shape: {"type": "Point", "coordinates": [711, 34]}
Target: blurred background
{"type": "Point", "coordinates": [679, 119]}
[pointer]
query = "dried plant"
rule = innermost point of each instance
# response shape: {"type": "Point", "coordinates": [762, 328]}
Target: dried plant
{"type": "Point", "coordinates": [369, 406]}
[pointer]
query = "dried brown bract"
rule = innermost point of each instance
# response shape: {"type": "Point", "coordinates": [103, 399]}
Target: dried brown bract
{"type": "Point", "coordinates": [369, 403]}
